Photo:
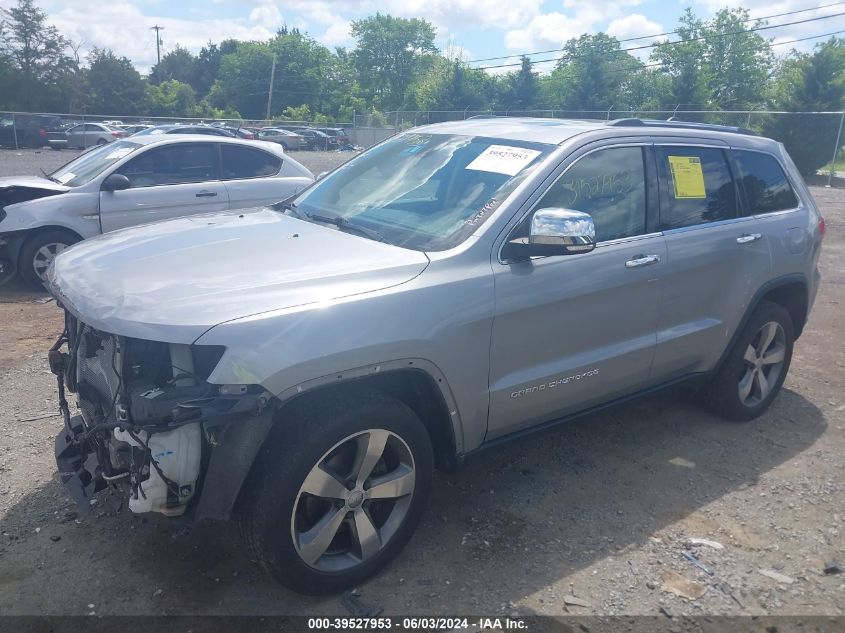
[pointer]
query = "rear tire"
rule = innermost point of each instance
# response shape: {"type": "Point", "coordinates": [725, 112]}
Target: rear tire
{"type": "Point", "coordinates": [290, 499]}
{"type": "Point", "coordinates": [39, 250]}
{"type": "Point", "coordinates": [101, 141]}
{"type": "Point", "coordinates": [756, 366]}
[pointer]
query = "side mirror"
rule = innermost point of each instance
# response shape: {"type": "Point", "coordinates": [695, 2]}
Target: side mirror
{"type": "Point", "coordinates": [116, 182]}
{"type": "Point", "coordinates": [554, 231]}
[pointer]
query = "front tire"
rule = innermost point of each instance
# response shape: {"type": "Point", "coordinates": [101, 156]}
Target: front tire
{"type": "Point", "coordinates": [753, 372]}
{"type": "Point", "coordinates": [38, 252]}
{"type": "Point", "coordinates": [338, 491]}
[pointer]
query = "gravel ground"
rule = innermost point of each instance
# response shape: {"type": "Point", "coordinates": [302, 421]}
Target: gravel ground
{"type": "Point", "coordinates": [599, 512]}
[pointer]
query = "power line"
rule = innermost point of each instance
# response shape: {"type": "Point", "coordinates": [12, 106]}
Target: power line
{"type": "Point", "coordinates": [647, 37]}
{"type": "Point", "coordinates": [676, 42]}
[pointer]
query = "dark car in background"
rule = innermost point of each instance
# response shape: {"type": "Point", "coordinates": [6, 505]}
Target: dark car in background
{"type": "Point", "coordinates": [29, 130]}
{"type": "Point", "coordinates": [338, 137]}
{"type": "Point", "coordinates": [314, 139]}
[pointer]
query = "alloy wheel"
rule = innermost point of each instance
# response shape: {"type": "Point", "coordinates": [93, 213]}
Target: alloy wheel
{"type": "Point", "coordinates": [764, 358]}
{"type": "Point", "coordinates": [44, 256]}
{"type": "Point", "coordinates": [353, 500]}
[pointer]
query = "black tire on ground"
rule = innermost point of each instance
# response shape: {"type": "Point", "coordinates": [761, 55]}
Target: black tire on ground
{"type": "Point", "coordinates": [295, 446]}
{"type": "Point", "coordinates": [723, 390]}
{"type": "Point", "coordinates": [285, 147]}
{"type": "Point", "coordinates": [33, 244]}
{"type": "Point", "coordinates": [101, 141]}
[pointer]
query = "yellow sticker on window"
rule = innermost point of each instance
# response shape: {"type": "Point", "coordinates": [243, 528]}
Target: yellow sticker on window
{"type": "Point", "coordinates": [687, 177]}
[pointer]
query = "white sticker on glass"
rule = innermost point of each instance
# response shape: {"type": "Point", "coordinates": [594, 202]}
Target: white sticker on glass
{"type": "Point", "coordinates": [503, 159]}
{"type": "Point", "coordinates": [65, 177]}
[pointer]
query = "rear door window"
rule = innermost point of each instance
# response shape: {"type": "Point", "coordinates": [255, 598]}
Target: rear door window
{"type": "Point", "coordinates": [246, 162]}
{"type": "Point", "coordinates": [697, 186]}
{"type": "Point", "coordinates": [763, 183]}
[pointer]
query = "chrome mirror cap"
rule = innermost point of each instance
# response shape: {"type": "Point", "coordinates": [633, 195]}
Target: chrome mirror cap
{"type": "Point", "coordinates": [573, 230]}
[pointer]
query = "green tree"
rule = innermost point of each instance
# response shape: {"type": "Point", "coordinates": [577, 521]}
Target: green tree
{"type": "Point", "coordinates": [719, 64]}
{"type": "Point", "coordinates": [113, 85]}
{"type": "Point", "coordinates": [810, 83]}
{"type": "Point", "coordinates": [520, 90]}
{"type": "Point", "coordinates": [450, 85]}
{"type": "Point", "coordinates": [244, 78]}
{"type": "Point", "coordinates": [35, 54]}
{"type": "Point", "coordinates": [391, 52]}
{"type": "Point", "coordinates": [207, 64]}
{"type": "Point", "coordinates": [590, 75]}
{"type": "Point", "coordinates": [170, 98]}
{"type": "Point", "coordinates": [685, 64]}
{"type": "Point", "coordinates": [178, 64]}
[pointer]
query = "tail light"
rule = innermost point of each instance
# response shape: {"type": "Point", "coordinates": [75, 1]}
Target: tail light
{"type": "Point", "coordinates": [822, 226]}
{"type": "Point", "coordinates": [117, 134]}
{"type": "Point", "coordinates": [42, 132]}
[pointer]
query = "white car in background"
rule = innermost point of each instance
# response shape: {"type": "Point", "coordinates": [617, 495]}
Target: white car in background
{"type": "Point", "coordinates": [136, 181]}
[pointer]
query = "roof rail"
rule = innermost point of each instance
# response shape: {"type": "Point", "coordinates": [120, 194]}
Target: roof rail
{"type": "Point", "coordinates": [690, 125]}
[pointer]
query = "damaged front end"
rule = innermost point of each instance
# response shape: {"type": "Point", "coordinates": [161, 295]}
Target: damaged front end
{"type": "Point", "coordinates": [151, 424]}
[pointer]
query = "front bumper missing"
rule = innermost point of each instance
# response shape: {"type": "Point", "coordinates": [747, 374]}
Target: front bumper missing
{"type": "Point", "coordinates": [79, 467]}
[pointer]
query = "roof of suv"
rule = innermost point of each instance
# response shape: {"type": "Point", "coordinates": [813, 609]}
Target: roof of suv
{"type": "Point", "coordinates": [556, 131]}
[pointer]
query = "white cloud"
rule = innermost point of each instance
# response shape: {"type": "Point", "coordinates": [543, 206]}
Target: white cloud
{"type": "Point", "coordinates": [122, 27]}
{"type": "Point", "coordinates": [267, 14]}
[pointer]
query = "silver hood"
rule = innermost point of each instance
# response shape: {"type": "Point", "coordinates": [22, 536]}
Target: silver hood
{"type": "Point", "coordinates": [31, 182]}
{"type": "Point", "coordinates": [173, 280]}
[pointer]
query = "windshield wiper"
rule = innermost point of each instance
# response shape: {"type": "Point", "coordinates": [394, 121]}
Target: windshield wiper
{"type": "Point", "coordinates": [288, 205]}
{"type": "Point", "coordinates": [47, 176]}
{"type": "Point", "coordinates": [345, 225]}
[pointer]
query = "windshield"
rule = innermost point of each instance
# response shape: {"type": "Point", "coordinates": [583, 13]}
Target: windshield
{"type": "Point", "coordinates": [91, 164]}
{"type": "Point", "coordinates": [426, 192]}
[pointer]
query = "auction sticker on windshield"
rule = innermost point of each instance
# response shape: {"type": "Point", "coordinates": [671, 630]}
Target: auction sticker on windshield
{"type": "Point", "coordinates": [503, 159]}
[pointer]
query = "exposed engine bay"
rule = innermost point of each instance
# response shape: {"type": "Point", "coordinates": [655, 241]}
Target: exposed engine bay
{"type": "Point", "coordinates": [149, 420]}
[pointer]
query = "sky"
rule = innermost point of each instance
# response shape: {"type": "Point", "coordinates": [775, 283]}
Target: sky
{"type": "Point", "coordinates": [472, 29]}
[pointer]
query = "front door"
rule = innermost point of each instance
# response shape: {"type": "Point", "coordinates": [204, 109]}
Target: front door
{"type": "Point", "coordinates": [168, 181]}
{"type": "Point", "coordinates": [574, 331]}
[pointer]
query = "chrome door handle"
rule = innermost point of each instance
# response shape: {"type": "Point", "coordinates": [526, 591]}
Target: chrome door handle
{"type": "Point", "coordinates": [747, 238]}
{"type": "Point", "coordinates": [642, 260]}
{"type": "Point", "coordinates": [206, 194]}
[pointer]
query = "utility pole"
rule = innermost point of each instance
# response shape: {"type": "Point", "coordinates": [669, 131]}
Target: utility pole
{"type": "Point", "coordinates": [272, 78]}
{"type": "Point", "coordinates": [157, 28]}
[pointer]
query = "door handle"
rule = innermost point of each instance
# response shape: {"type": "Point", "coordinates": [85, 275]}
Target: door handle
{"type": "Point", "coordinates": [206, 194]}
{"type": "Point", "coordinates": [747, 238]}
{"type": "Point", "coordinates": [642, 260]}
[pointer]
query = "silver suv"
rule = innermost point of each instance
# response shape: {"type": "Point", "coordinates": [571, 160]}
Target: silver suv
{"type": "Point", "coordinates": [306, 366]}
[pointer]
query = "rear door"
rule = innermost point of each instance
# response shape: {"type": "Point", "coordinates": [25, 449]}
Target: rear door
{"type": "Point", "coordinates": [168, 181]}
{"type": "Point", "coordinates": [716, 258]}
{"type": "Point", "coordinates": [252, 179]}
{"type": "Point", "coordinates": [574, 331]}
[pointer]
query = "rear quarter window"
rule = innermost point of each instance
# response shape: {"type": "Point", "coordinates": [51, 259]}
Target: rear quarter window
{"type": "Point", "coordinates": [763, 183]}
{"type": "Point", "coordinates": [246, 162]}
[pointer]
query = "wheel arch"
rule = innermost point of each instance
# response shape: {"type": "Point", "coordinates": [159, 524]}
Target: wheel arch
{"type": "Point", "coordinates": [417, 383]}
{"type": "Point", "coordinates": [30, 234]}
{"type": "Point", "coordinates": [789, 291]}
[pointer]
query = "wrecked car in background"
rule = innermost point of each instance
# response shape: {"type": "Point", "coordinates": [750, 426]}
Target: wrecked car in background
{"type": "Point", "coordinates": [305, 367]}
{"type": "Point", "coordinates": [135, 181]}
